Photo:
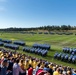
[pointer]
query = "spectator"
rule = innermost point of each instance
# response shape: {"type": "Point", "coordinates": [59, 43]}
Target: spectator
{"type": "Point", "coordinates": [21, 63]}
{"type": "Point", "coordinates": [26, 64]}
{"type": "Point", "coordinates": [37, 67]}
{"type": "Point", "coordinates": [17, 68]}
{"type": "Point", "coordinates": [11, 62]}
{"type": "Point", "coordinates": [40, 71]}
{"type": "Point", "coordinates": [31, 61]}
{"type": "Point", "coordinates": [56, 72]}
{"type": "Point", "coordinates": [30, 64]}
{"type": "Point", "coordinates": [30, 70]}
{"type": "Point", "coordinates": [49, 70]}
{"type": "Point", "coordinates": [34, 64]}
{"type": "Point", "coordinates": [4, 66]}
{"type": "Point", "coordinates": [69, 73]}
{"type": "Point", "coordinates": [74, 72]}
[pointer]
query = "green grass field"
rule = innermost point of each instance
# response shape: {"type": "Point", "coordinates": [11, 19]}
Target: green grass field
{"type": "Point", "coordinates": [57, 42]}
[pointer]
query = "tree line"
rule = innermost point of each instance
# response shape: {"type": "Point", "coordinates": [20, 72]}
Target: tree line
{"type": "Point", "coordinates": [48, 28]}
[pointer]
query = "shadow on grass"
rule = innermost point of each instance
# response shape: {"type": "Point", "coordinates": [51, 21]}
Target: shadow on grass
{"type": "Point", "coordinates": [52, 50]}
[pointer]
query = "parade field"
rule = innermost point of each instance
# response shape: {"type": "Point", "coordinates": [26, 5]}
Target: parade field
{"type": "Point", "coordinates": [56, 42]}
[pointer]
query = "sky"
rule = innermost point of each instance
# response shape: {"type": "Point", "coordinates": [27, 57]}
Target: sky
{"type": "Point", "coordinates": [36, 13]}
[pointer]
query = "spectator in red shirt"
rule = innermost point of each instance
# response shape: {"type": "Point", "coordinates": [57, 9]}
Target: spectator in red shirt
{"type": "Point", "coordinates": [30, 70]}
{"type": "Point", "coordinates": [40, 71]}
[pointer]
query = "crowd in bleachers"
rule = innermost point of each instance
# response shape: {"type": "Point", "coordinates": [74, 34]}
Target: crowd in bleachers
{"type": "Point", "coordinates": [13, 63]}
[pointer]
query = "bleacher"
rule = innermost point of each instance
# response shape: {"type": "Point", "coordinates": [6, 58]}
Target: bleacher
{"type": "Point", "coordinates": [21, 43]}
{"type": "Point", "coordinates": [67, 54]}
{"type": "Point", "coordinates": [38, 51]}
{"type": "Point", "coordinates": [11, 46]}
{"type": "Point", "coordinates": [1, 43]}
{"type": "Point", "coordinates": [7, 41]}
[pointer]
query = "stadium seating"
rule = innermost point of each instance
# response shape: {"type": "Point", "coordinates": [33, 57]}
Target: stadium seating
{"type": "Point", "coordinates": [66, 49]}
{"type": "Point", "coordinates": [44, 53]}
{"type": "Point", "coordinates": [32, 50]}
{"type": "Point", "coordinates": [65, 57]}
{"type": "Point", "coordinates": [0, 39]}
{"type": "Point", "coordinates": [59, 55]}
{"type": "Point", "coordinates": [69, 33]}
{"type": "Point", "coordinates": [52, 33]}
{"type": "Point", "coordinates": [26, 49]}
{"type": "Point", "coordinates": [74, 59]}
{"type": "Point", "coordinates": [42, 46]}
{"type": "Point", "coordinates": [1, 43]}
{"type": "Point", "coordinates": [62, 56]}
{"type": "Point", "coordinates": [11, 46]}
{"type": "Point", "coordinates": [19, 43]}
{"type": "Point", "coordinates": [69, 50]}
{"type": "Point", "coordinates": [38, 51]}
{"type": "Point", "coordinates": [40, 33]}
{"type": "Point", "coordinates": [55, 55]}
{"type": "Point", "coordinates": [7, 41]}
{"type": "Point", "coordinates": [70, 58]}
{"type": "Point", "coordinates": [45, 32]}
